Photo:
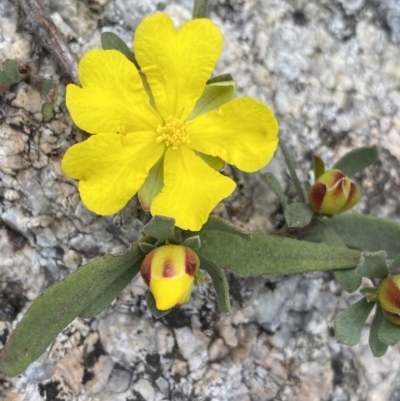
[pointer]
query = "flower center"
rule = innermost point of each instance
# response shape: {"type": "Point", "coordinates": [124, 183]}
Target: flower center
{"type": "Point", "coordinates": [173, 132]}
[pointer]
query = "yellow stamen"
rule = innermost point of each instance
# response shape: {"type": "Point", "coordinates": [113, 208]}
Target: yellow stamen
{"type": "Point", "coordinates": [173, 132]}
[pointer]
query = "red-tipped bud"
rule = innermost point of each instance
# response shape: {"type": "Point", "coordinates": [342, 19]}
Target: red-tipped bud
{"type": "Point", "coordinates": [169, 272]}
{"type": "Point", "coordinates": [389, 298]}
{"type": "Point", "coordinates": [333, 193]}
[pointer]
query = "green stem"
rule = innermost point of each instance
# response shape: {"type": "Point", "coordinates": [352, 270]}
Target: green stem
{"type": "Point", "coordinates": [200, 9]}
{"type": "Point", "coordinates": [290, 164]}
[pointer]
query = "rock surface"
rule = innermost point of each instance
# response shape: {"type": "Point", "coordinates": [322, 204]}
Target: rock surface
{"type": "Point", "coordinates": [330, 70]}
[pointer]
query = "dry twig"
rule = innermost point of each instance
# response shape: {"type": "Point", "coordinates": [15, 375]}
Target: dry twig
{"type": "Point", "coordinates": [49, 36]}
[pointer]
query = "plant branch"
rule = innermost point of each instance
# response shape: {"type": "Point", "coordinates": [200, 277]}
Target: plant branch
{"type": "Point", "coordinates": [200, 9]}
{"type": "Point", "coordinates": [50, 37]}
{"type": "Point", "coordinates": [292, 171]}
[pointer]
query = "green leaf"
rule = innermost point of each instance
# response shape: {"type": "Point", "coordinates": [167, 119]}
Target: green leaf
{"type": "Point", "coordinates": [161, 227]}
{"type": "Point", "coordinates": [215, 94]}
{"type": "Point", "coordinates": [146, 248]}
{"type": "Point", "coordinates": [219, 281]}
{"type": "Point", "coordinates": [151, 304]}
{"type": "Point", "coordinates": [378, 348]}
{"type": "Point", "coordinates": [217, 224]}
{"type": "Point", "coordinates": [389, 333]}
{"type": "Point", "coordinates": [111, 292]}
{"type": "Point", "coordinates": [110, 41]}
{"type": "Point", "coordinates": [298, 215]}
{"type": "Point", "coordinates": [348, 279]}
{"type": "Point", "coordinates": [50, 97]}
{"type": "Point", "coordinates": [276, 187]}
{"type": "Point", "coordinates": [10, 74]}
{"type": "Point", "coordinates": [220, 79]}
{"type": "Point", "coordinates": [395, 264]}
{"type": "Point", "coordinates": [363, 232]}
{"type": "Point", "coordinates": [368, 290]}
{"type": "Point", "coordinates": [193, 242]}
{"type": "Point", "coordinates": [292, 171]}
{"type": "Point", "coordinates": [214, 162]}
{"type": "Point", "coordinates": [319, 167]}
{"type": "Point", "coordinates": [152, 185]}
{"type": "Point", "coordinates": [357, 159]}
{"type": "Point", "coordinates": [349, 323]}
{"type": "Point", "coordinates": [49, 92]}
{"type": "Point", "coordinates": [52, 311]}
{"type": "Point", "coordinates": [373, 265]}
{"type": "Point", "coordinates": [271, 254]}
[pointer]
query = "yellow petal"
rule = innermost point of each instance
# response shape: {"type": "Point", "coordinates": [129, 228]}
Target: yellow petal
{"type": "Point", "coordinates": [112, 98]}
{"type": "Point", "coordinates": [111, 168]}
{"type": "Point", "coordinates": [177, 64]}
{"type": "Point", "coordinates": [191, 189]}
{"type": "Point", "coordinates": [171, 292]}
{"type": "Point", "coordinates": [244, 132]}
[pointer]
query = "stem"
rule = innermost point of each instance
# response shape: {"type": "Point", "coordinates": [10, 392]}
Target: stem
{"type": "Point", "coordinates": [49, 36]}
{"type": "Point", "coordinates": [200, 9]}
{"type": "Point", "coordinates": [290, 164]}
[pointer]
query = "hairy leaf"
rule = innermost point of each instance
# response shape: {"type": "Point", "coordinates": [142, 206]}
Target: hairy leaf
{"type": "Point", "coordinates": [219, 281]}
{"type": "Point", "coordinates": [298, 215]}
{"type": "Point", "coordinates": [349, 323]}
{"type": "Point", "coordinates": [276, 187]}
{"type": "Point", "coordinates": [356, 160]}
{"type": "Point", "coordinates": [52, 311]}
{"type": "Point", "coordinates": [271, 254]}
{"type": "Point", "coordinates": [378, 348]}
{"type": "Point", "coordinates": [363, 232]}
{"type": "Point", "coordinates": [110, 41]}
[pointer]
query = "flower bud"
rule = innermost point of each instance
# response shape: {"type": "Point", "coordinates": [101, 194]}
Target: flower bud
{"type": "Point", "coordinates": [389, 298]}
{"type": "Point", "coordinates": [333, 193]}
{"type": "Point", "coordinates": [169, 272]}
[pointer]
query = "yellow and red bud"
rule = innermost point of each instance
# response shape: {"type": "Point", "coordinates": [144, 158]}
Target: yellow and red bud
{"type": "Point", "coordinates": [169, 272]}
{"type": "Point", "coordinates": [333, 193]}
{"type": "Point", "coordinates": [389, 298]}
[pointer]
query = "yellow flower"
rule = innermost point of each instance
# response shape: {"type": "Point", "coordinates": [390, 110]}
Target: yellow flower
{"type": "Point", "coordinates": [132, 136]}
{"type": "Point", "coordinates": [169, 272]}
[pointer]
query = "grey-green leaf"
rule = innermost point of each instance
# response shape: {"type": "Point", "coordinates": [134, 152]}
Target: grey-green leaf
{"type": "Point", "coordinates": [276, 187]}
{"type": "Point", "coordinates": [219, 281]}
{"type": "Point", "coordinates": [368, 290]}
{"type": "Point", "coordinates": [214, 96]}
{"type": "Point", "coordinates": [151, 304]}
{"type": "Point", "coordinates": [395, 264]}
{"type": "Point", "coordinates": [319, 167]}
{"type": "Point", "coordinates": [152, 185]}
{"type": "Point", "coordinates": [292, 171]}
{"type": "Point", "coordinates": [356, 160]}
{"type": "Point", "coordinates": [373, 265]}
{"type": "Point", "coordinates": [59, 305]}
{"type": "Point", "coordinates": [348, 279]}
{"type": "Point", "coordinates": [214, 162]}
{"type": "Point", "coordinates": [193, 242]}
{"type": "Point", "coordinates": [389, 333]}
{"type": "Point", "coordinates": [378, 348]}
{"type": "Point", "coordinates": [10, 74]}
{"type": "Point", "coordinates": [217, 224]}
{"type": "Point", "coordinates": [146, 248]}
{"type": "Point", "coordinates": [161, 227]}
{"type": "Point", "coordinates": [271, 254]}
{"type": "Point", "coordinates": [298, 215]}
{"type": "Point", "coordinates": [110, 293]}
{"type": "Point", "coordinates": [110, 41]}
{"type": "Point", "coordinates": [349, 323]}
{"type": "Point", "coordinates": [363, 232]}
